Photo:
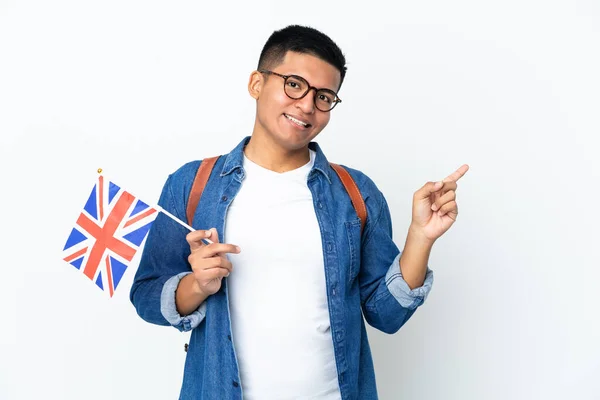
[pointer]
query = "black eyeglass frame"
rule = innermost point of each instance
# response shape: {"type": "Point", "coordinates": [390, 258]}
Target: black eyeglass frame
{"type": "Point", "coordinates": [309, 88]}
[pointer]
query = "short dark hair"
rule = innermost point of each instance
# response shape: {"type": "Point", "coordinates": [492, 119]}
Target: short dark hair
{"type": "Point", "coordinates": [305, 40]}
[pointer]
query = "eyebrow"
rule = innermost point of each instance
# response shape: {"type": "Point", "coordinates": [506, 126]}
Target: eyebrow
{"type": "Point", "coordinates": [300, 76]}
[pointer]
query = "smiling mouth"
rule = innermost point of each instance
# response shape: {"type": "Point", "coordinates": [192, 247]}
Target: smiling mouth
{"type": "Point", "coordinates": [298, 122]}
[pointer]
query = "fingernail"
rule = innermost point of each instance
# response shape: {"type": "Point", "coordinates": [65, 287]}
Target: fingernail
{"type": "Point", "coordinates": [438, 184]}
{"type": "Point", "coordinates": [434, 207]}
{"type": "Point", "coordinates": [238, 249]}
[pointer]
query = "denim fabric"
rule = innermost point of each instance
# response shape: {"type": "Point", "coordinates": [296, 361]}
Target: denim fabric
{"type": "Point", "coordinates": [362, 276]}
{"type": "Point", "coordinates": [169, 310]}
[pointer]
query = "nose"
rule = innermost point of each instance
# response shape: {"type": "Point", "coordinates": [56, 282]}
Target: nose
{"type": "Point", "coordinates": [307, 103]}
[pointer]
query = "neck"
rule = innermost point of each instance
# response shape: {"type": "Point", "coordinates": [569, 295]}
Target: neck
{"type": "Point", "coordinates": [269, 155]}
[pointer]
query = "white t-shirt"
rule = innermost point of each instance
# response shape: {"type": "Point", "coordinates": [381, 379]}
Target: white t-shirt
{"type": "Point", "coordinates": [277, 292]}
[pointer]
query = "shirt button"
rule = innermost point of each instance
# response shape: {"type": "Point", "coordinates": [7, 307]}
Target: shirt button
{"type": "Point", "coordinates": [320, 205]}
{"type": "Point", "coordinates": [235, 384]}
{"type": "Point", "coordinates": [229, 337]}
{"type": "Point", "coordinates": [224, 198]}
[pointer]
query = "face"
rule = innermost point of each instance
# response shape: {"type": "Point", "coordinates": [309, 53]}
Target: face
{"type": "Point", "coordinates": [292, 124]}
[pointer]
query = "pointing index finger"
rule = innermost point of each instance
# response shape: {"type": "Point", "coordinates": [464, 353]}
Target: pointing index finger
{"type": "Point", "coordinates": [456, 175]}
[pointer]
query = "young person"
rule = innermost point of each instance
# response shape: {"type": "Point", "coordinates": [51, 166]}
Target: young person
{"type": "Point", "coordinates": [276, 303]}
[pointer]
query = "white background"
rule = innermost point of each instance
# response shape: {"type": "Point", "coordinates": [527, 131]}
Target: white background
{"type": "Point", "coordinates": [140, 87]}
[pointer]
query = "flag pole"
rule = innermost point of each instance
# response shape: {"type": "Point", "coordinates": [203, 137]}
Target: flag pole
{"type": "Point", "coordinates": [174, 218]}
{"type": "Point", "coordinates": [180, 222]}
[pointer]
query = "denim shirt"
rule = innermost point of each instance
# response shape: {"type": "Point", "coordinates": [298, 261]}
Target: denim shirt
{"type": "Point", "coordinates": [362, 274]}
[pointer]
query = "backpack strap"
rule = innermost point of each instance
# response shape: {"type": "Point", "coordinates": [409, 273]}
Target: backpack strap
{"type": "Point", "coordinates": [207, 165]}
{"type": "Point", "coordinates": [200, 180]}
{"type": "Point", "coordinates": [357, 200]}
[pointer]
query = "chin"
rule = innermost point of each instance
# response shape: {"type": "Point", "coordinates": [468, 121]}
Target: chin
{"type": "Point", "coordinates": [294, 139]}
{"type": "Point", "coordinates": [289, 137]}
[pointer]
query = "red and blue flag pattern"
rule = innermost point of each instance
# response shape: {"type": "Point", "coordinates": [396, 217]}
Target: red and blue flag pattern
{"type": "Point", "coordinates": [109, 231]}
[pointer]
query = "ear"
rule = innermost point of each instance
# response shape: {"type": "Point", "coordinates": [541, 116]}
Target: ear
{"type": "Point", "coordinates": [255, 84]}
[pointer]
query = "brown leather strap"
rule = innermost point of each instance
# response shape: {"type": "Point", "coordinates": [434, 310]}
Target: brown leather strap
{"type": "Point", "coordinates": [208, 163]}
{"type": "Point", "coordinates": [200, 180]}
{"type": "Point", "coordinates": [355, 196]}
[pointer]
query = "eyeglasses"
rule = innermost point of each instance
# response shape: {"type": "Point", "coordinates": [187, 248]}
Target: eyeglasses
{"type": "Point", "coordinates": [296, 87]}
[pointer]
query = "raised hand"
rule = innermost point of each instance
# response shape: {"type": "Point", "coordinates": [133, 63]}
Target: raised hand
{"type": "Point", "coordinates": [434, 206]}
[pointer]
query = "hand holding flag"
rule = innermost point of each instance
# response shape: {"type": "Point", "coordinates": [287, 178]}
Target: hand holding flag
{"type": "Point", "coordinates": [108, 233]}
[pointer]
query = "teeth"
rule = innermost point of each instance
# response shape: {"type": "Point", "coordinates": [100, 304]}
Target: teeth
{"type": "Point", "coordinates": [296, 120]}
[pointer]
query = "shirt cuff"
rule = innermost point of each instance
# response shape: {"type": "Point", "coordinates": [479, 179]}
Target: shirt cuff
{"type": "Point", "coordinates": [396, 284]}
{"type": "Point", "coordinates": [168, 307]}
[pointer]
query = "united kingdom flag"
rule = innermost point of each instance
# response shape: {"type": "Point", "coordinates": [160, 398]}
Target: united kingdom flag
{"type": "Point", "coordinates": [108, 233]}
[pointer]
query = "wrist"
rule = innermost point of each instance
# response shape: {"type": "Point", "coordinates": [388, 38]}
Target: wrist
{"type": "Point", "coordinates": [417, 236]}
{"type": "Point", "coordinates": [191, 285]}
{"type": "Point", "coordinates": [196, 288]}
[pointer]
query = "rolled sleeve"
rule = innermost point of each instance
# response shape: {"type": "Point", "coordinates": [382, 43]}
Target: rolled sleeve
{"type": "Point", "coordinates": [168, 307]}
{"type": "Point", "coordinates": [407, 297]}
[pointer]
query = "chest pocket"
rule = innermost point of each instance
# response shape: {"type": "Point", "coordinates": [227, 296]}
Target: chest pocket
{"type": "Point", "coordinates": [353, 232]}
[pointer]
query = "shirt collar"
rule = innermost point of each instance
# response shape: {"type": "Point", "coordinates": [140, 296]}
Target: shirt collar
{"type": "Point", "coordinates": [235, 160]}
